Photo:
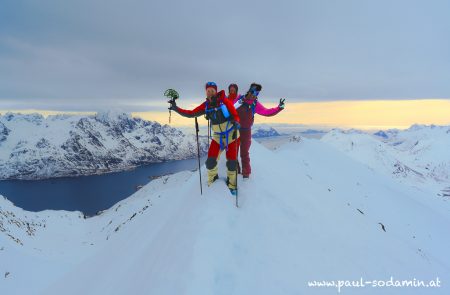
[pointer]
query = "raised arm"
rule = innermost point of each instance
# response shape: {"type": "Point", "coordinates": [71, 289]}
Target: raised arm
{"type": "Point", "coordinates": [197, 112]}
{"type": "Point", "coordinates": [260, 109]}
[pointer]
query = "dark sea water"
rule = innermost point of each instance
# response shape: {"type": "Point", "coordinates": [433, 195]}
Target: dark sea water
{"type": "Point", "coordinates": [88, 194]}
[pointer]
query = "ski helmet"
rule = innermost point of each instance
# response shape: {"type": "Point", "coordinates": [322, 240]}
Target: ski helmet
{"type": "Point", "coordinates": [211, 84]}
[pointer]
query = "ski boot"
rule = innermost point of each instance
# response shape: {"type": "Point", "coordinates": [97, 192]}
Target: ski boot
{"type": "Point", "coordinates": [214, 179]}
{"type": "Point", "coordinates": [233, 191]}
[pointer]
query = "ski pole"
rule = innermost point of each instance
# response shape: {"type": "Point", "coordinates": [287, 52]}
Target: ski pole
{"type": "Point", "coordinates": [209, 131]}
{"type": "Point", "coordinates": [198, 155]}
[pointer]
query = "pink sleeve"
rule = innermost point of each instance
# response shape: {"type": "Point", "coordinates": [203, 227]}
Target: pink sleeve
{"type": "Point", "coordinates": [263, 111]}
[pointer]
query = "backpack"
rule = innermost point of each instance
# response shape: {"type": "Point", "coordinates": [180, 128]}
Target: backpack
{"type": "Point", "coordinates": [218, 115]}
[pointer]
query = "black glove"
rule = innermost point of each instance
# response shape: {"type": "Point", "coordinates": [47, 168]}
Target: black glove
{"type": "Point", "coordinates": [281, 104]}
{"type": "Point", "coordinates": [173, 104]}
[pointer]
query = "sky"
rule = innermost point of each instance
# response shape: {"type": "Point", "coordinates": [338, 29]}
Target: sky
{"type": "Point", "coordinates": [91, 55]}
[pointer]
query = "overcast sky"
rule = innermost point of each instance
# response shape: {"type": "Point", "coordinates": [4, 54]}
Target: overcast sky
{"type": "Point", "coordinates": [86, 55]}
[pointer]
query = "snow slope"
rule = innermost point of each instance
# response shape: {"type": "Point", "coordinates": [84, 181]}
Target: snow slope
{"type": "Point", "coordinates": [33, 147]}
{"type": "Point", "coordinates": [309, 212]}
{"type": "Point", "coordinates": [418, 156]}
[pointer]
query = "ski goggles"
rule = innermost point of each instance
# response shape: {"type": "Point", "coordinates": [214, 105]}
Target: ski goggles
{"type": "Point", "coordinates": [208, 84]}
{"type": "Point", "coordinates": [254, 92]}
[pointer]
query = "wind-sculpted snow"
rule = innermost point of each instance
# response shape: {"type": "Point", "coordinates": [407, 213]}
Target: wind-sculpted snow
{"type": "Point", "coordinates": [309, 212]}
{"type": "Point", "coordinates": [33, 147]}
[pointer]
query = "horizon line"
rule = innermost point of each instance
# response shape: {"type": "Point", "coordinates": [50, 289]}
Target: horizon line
{"type": "Point", "coordinates": [367, 114]}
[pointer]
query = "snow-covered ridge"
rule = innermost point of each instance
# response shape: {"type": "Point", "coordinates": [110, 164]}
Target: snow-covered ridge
{"type": "Point", "coordinates": [309, 212]}
{"type": "Point", "coordinates": [418, 155]}
{"type": "Point", "coordinates": [33, 147]}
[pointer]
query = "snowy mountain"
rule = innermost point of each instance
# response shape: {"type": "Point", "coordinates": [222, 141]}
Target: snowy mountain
{"type": "Point", "coordinates": [312, 132]}
{"type": "Point", "coordinates": [33, 147]}
{"type": "Point", "coordinates": [310, 212]}
{"type": "Point", "coordinates": [264, 131]}
{"type": "Point", "coordinates": [418, 156]}
{"type": "Point", "coordinates": [3, 132]}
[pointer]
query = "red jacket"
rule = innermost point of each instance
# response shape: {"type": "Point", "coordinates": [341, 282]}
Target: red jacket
{"type": "Point", "coordinates": [201, 109]}
{"type": "Point", "coordinates": [233, 97]}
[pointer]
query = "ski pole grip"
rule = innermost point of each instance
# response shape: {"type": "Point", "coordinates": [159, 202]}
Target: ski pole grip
{"type": "Point", "coordinates": [196, 125]}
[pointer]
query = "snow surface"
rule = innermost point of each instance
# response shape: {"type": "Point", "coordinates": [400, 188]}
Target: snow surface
{"type": "Point", "coordinates": [418, 156]}
{"type": "Point", "coordinates": [309, 212]}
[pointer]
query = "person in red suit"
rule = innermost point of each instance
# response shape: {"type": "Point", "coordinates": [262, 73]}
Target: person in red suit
{"type": "Point", "coordinates": [224, 121]}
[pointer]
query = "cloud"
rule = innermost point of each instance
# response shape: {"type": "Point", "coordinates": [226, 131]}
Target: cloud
{"type": "Point", "coordinates": [89, 54]}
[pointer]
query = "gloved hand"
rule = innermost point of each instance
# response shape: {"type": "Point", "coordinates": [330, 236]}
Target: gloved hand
{"type": "Point", "coordinates": [173, 104]}
{"type": "Point", "coordinates": [281, 104]}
